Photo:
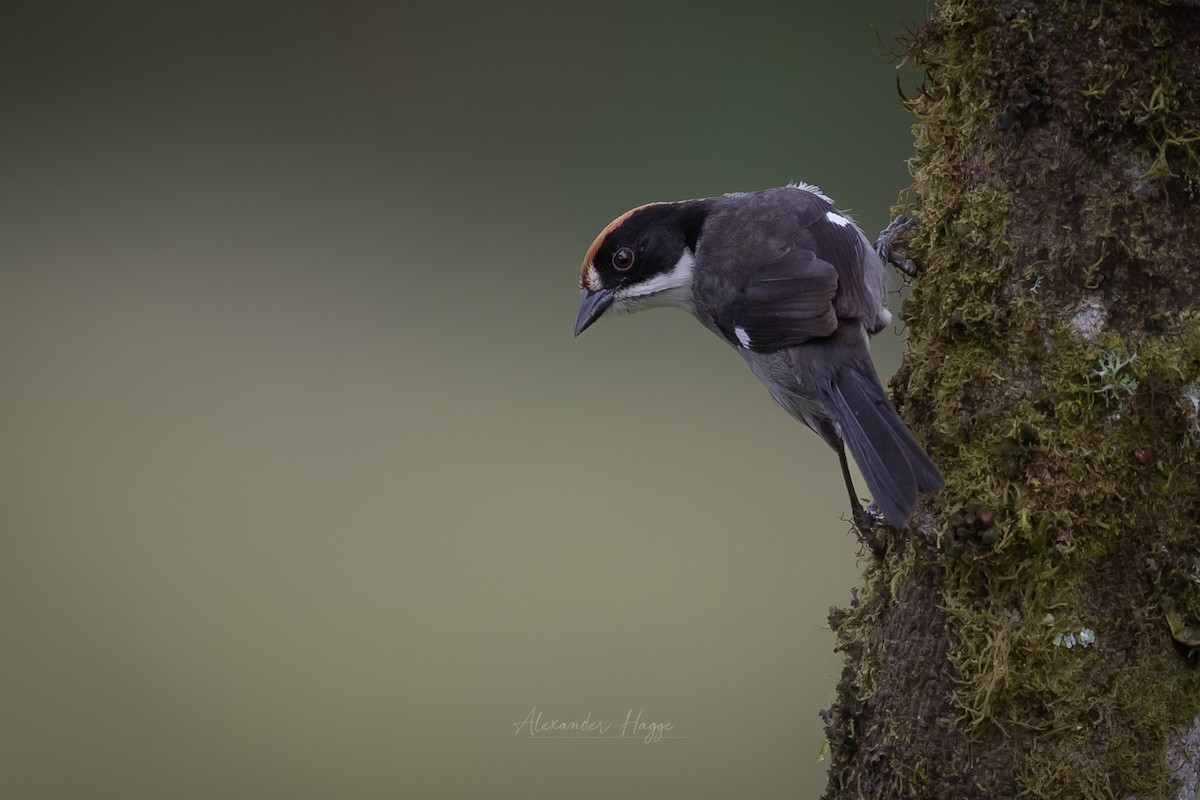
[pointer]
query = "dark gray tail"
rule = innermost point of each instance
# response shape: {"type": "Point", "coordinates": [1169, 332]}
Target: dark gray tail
{"type": "Point", "coordinates": [894, 465]}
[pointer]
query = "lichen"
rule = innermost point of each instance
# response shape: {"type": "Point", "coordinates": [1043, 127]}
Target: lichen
{"type": "Point", "coordinates": [1189, 404]}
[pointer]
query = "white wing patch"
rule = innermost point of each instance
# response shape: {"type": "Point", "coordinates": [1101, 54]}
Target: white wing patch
{"type": "Point", "coordinates": [838, 219]}
{"type": "Point", "coordinates": [742, 336]}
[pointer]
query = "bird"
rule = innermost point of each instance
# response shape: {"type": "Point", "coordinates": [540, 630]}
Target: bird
{"type": "Point", "coordinates": [796, 288]}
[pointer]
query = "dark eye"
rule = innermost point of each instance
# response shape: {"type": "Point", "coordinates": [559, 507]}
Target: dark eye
{"type": "Point", "coordinates": [623, 258]}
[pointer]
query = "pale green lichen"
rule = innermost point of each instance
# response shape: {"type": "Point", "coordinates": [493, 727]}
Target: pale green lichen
{"type": "Point", "coordinates": [1114, 373]}
{"type": "Point", "coordinates": [1190, 404]}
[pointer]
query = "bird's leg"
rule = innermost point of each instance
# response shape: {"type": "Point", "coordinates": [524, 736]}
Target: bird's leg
{"type": "Point", "coordinates": [857, 511]}
{"type": "Point", "coordinates": [889, 237]}
{"type": "Point", "coordinates": [864, 521]}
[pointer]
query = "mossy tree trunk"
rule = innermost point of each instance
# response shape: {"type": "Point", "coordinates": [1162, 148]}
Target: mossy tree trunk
{"type": "Point", "coordinates": [1034, 633]}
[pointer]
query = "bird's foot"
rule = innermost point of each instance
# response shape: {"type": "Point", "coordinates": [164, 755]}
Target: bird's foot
{"type": "Point", "coordinates": [891, 247]}
{"type": "Point", "coordinates": [866, 521]}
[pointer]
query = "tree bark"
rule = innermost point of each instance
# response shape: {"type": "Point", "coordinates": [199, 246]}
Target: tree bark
{"type": "Point", "coordinates": [1035, 632]}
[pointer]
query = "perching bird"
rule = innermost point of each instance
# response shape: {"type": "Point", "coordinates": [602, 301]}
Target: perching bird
{"type": "Point", "coordinates": [795, 287]}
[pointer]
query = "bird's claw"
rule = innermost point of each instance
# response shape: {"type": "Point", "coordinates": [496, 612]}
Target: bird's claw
{"type": "Point", "coordinates": [890, 237]}
{"type": "Point", "coordinates": [866, 521]}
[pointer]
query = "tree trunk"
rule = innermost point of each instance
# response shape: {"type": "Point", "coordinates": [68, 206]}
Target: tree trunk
{"type": "Point", "coordinates": [1034, 633]}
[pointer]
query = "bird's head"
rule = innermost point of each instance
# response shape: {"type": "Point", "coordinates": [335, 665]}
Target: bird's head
{"type": "Point", "coordinates": [642, 259]}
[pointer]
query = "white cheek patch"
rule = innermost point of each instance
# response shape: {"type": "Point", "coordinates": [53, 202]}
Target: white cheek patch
{"type": "Point", "coordinates": [838, 219]}
{"type": "Point", "coordinates": [672, 288]}
{"type": "Point", "coordinates": [742, 336]}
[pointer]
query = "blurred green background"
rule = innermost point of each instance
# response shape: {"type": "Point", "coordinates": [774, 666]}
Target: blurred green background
{"type": "Point", "coordinates": [307, 490]}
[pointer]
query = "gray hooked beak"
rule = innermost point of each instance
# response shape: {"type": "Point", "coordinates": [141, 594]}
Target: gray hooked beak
{"type": "Point", "coordinates": [591, 306]}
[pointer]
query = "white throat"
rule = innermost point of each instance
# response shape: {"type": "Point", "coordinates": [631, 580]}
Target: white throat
{"type": "Point", "coordinates": [672, 288]}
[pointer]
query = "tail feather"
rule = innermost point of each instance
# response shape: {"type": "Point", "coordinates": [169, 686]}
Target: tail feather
{"type": "Point", "coordinates": [894, 465]}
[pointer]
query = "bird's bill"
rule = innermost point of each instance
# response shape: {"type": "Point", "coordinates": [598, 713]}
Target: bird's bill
{"type": "Point", "coordinates": [591, 305]}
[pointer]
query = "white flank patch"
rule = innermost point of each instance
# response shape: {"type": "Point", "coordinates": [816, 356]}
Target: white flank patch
{"type": "Point", "coordinates": [742, 336]}
{"type": "Point", "coordinates": [672, 288]}
{"type": "Point", "coordinates": [838, 219]}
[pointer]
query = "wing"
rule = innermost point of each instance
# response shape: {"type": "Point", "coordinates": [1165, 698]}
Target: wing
{"type": "Point", "coordinates": [837, 240]}
{"type": "Point", "coordinates": [780, 304]}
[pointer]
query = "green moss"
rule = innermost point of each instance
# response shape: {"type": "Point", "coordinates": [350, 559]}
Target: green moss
{"type": "Point", "coordinates": [1053, 371]}
{"type": "Point", "coordinates": [1069, 463]}
{"type": "Point", "coordinates": [1172, 141]}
